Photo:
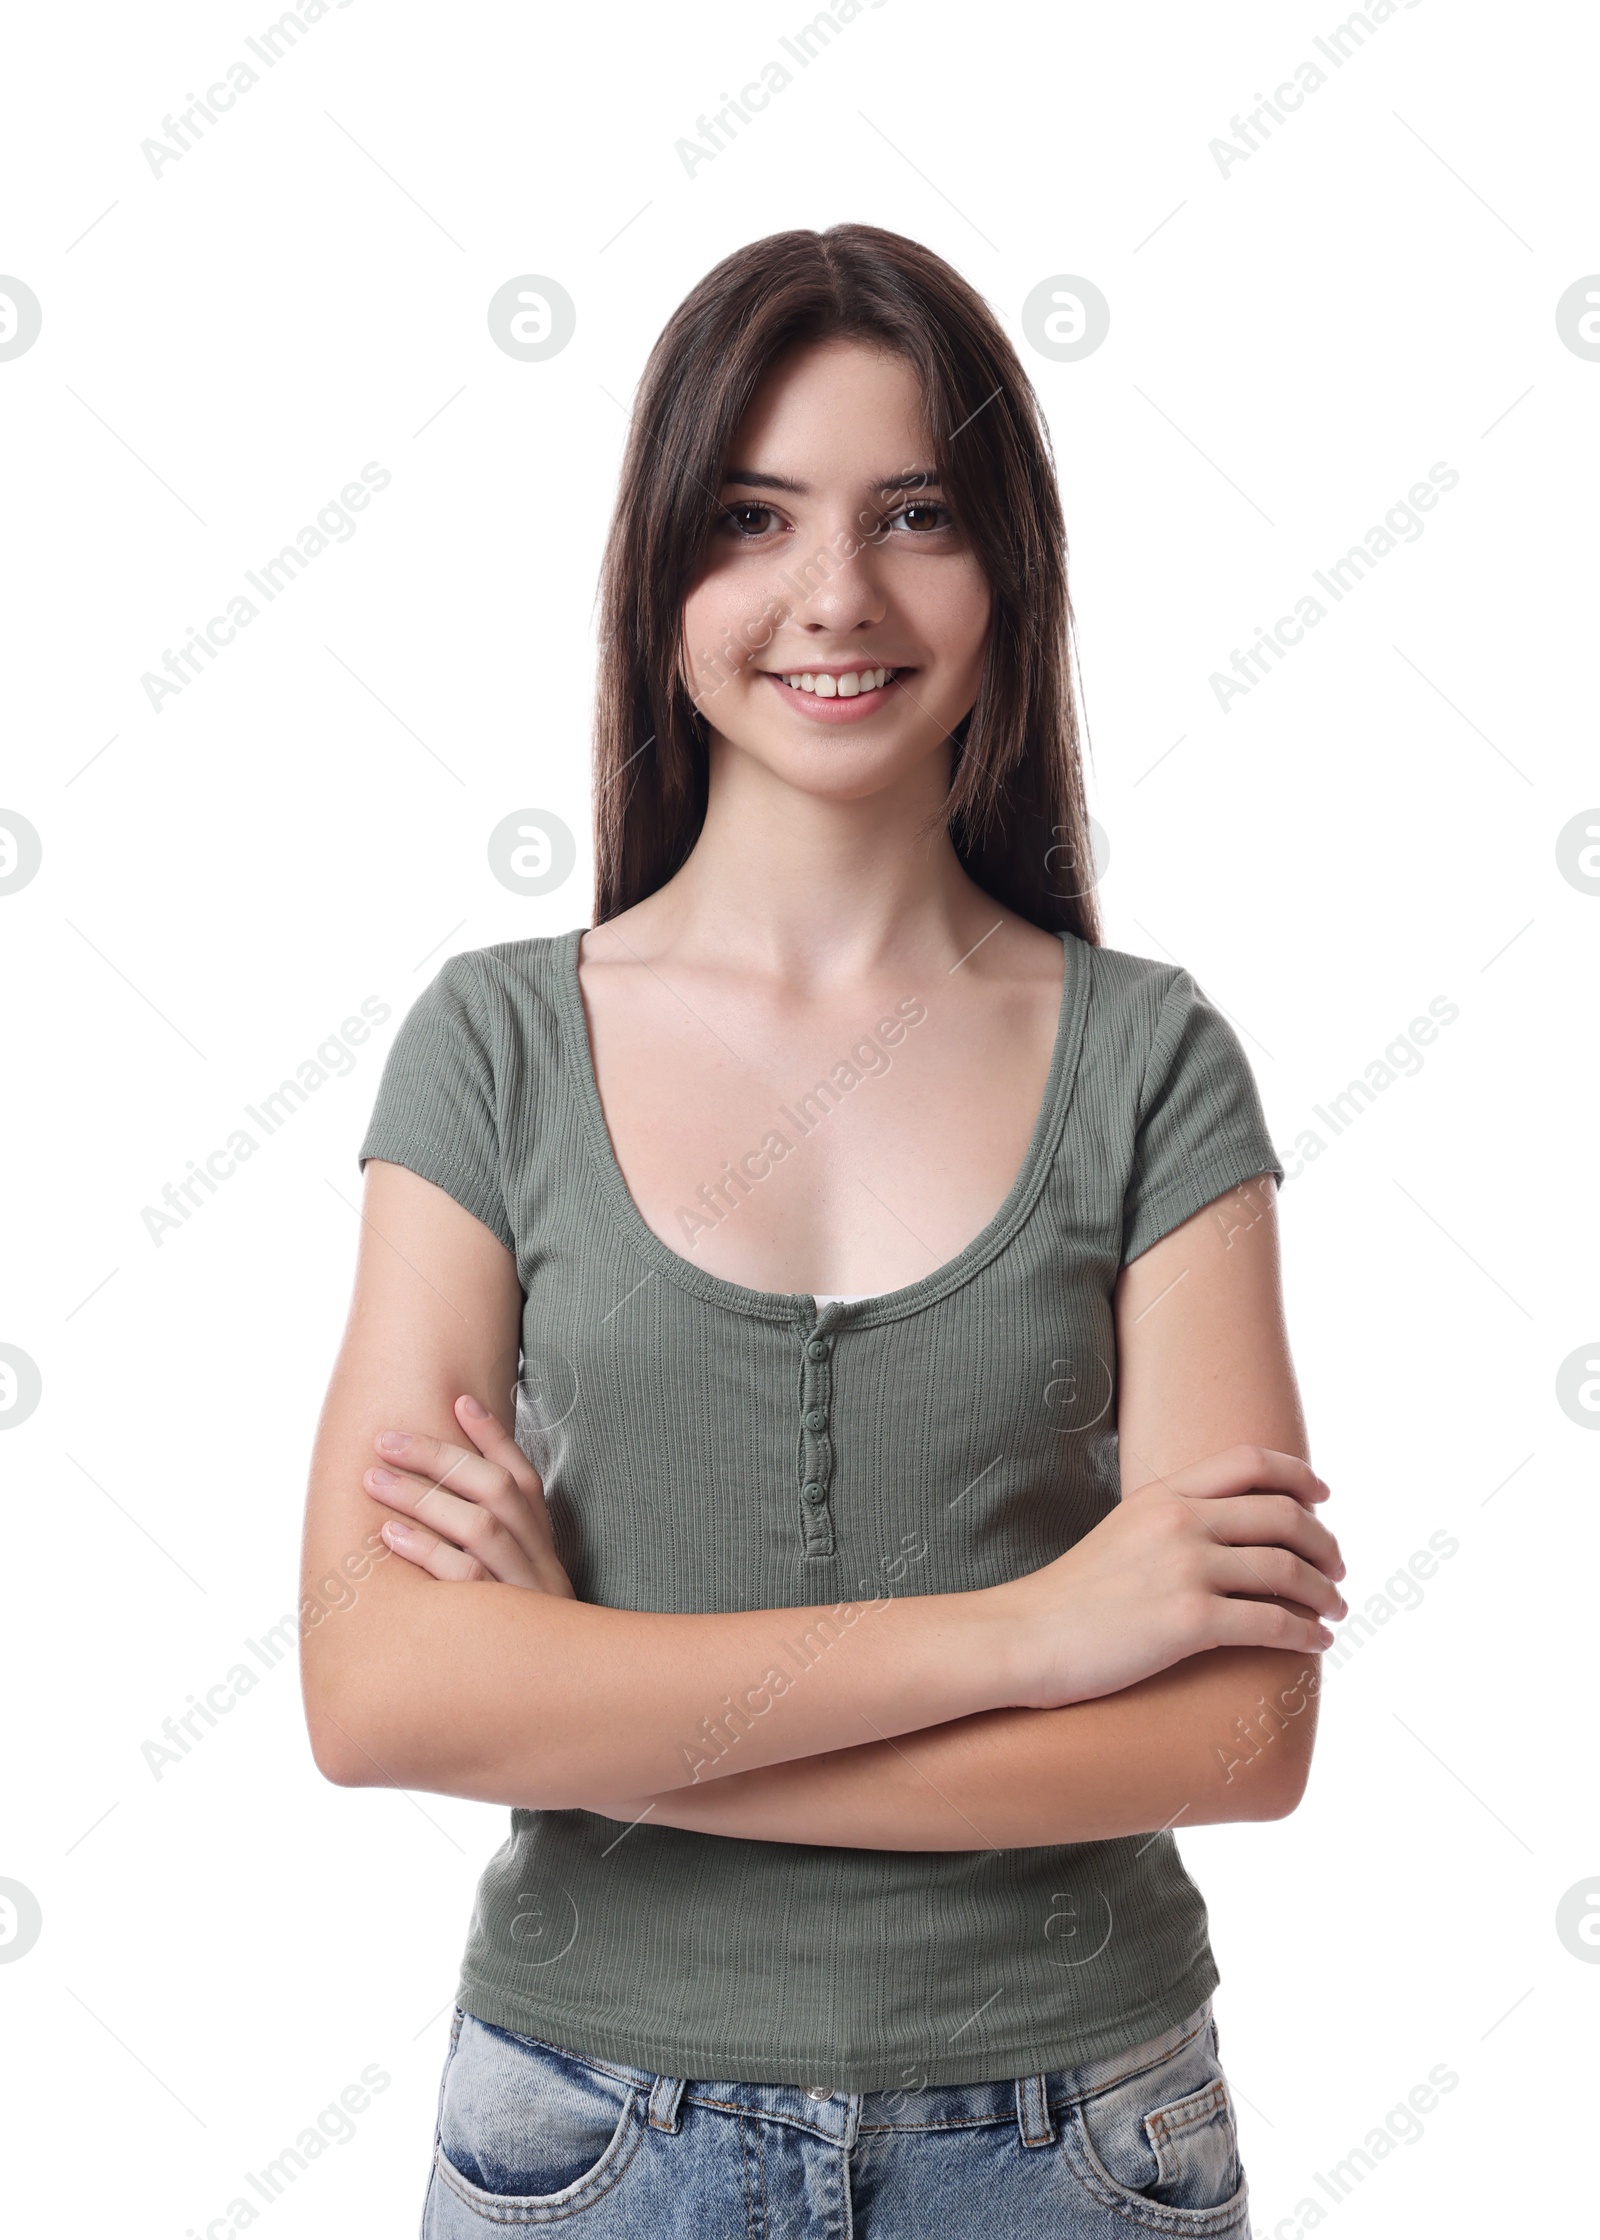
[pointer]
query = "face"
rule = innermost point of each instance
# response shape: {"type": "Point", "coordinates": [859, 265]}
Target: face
{"type": "Point", "coordinates": [836, 634]}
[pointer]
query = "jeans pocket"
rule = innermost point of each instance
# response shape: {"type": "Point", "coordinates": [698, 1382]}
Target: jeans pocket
{"type": "Point", "coordinates": [525, 2126]}
{"type": "Point", "coordinates": [1160, 2145]}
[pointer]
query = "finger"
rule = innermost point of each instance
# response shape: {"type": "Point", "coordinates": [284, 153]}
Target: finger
{"type": "Point", "coordinates": [441, 1462]}
{"type": "Point", "coordinates": [470, 1525]}
{"type": "Point", "coordinates": [1268, 1519]}
{"type": "Point", "coordinates": [1247, 1469]}
{"type": "Point", "coordinates": [1241, 1624]}
{"type": "Point", "coordinates": [429, 1553]}
{"type": "Point", "coordinates": [1275, 1571]}
{"type": "Point", "coordinates": [494, 1441]}
{"type": "Point", "coordinates": [461, 1471]}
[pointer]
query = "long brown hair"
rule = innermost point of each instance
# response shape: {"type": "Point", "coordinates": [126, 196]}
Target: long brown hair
{"type": "Point", "coordinates": [1015, 809]}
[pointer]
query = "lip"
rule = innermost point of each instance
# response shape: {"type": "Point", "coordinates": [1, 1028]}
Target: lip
{"type": "Point", "coordinates": [854, 710]}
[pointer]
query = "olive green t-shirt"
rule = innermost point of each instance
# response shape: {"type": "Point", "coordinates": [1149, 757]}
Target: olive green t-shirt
{"type": "Point", "coordinates": [707, 1447]}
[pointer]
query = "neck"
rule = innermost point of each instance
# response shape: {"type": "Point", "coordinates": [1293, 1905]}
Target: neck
{"type": "Point", "coordinates": [819, 890]}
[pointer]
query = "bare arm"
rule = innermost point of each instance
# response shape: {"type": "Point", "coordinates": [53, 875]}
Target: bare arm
{"type": "Point", "coordinates": [1203, 1363]}
{"type": "Point", "coordinates": [489, 1691]}
{"type": "Point", "coordinates": [1168, 1751]}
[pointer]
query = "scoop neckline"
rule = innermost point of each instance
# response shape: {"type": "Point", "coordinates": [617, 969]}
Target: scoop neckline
{"type": "Point", "coordinates": [801, 1306]}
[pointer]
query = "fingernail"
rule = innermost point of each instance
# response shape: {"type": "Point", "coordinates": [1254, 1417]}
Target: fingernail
{"type": "Point", "coordinates": [396, 1534]}
{"type": "Point", "coordinates": [471, 1406]}
{"type": "Point", "coordinates": [392, 1442]}
{"type": "Point", "coordinates": [382, 1478]}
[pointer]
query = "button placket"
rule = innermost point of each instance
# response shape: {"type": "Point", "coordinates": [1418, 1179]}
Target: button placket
{"type": "Point", "coordinates": [816, 1442]}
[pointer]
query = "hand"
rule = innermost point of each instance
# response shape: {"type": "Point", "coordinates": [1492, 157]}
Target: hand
{"type": "Point", "coordinates": [1224, 1553]}
{"type": "Point", "coordinates": [477, 1515]}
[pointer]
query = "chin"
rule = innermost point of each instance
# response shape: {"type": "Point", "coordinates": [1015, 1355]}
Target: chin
{"type": "Point", "coordinates": [835, 768]}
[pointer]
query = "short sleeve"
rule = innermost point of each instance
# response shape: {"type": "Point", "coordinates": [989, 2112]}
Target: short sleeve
{"type": "Point", "coordinates": [1201, 1130]}
{"type": "Point", "coordinates": [436, 1108]}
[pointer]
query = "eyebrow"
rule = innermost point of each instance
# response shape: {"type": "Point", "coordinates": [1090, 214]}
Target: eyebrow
{"type": "Point", "coordinates": [915, 478]}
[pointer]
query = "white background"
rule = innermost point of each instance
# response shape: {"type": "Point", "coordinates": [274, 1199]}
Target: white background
{"type": "Point", "coordinates": [1291, 347]}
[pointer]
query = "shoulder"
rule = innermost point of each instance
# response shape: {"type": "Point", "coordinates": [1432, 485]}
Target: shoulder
{"type": "Point", "coordinates": [495, 1015]}
{"type": "Point", "coordinates": [1128, 982]}
{"type": "Point", "coordinates": [505, 985]}
{"type": "Point", "coordinates": [1170, 1079]}
{"type": "Point", "coordinates": [1158, 1050]}
{"type": "Point", "coordinates": [470, 1073]}
{"type": "Point", "coordinates": [1137, 1006]}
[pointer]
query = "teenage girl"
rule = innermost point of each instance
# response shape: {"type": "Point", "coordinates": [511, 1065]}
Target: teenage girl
{"type": "Point", "coordinates": [817, 1357]}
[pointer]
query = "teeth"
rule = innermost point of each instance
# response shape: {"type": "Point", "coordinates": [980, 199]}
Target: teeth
{"type": "Point", "coordinates": [841, 688]}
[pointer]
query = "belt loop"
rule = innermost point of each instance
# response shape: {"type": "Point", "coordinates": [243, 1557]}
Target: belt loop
{"type": "Point", "coordinates": [1034, 2119]}
{"type": "Point", "coordinates": [665, 2095]}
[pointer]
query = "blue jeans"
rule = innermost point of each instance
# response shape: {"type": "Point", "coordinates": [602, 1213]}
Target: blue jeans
{"type": "Point", "coordinates": [531, 2133]}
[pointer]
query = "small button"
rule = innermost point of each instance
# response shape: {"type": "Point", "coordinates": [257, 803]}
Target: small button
{"type": "Point", "coordinates": [818, 1349]}
{"type": "Point", "coordinates": [818, 2092]}
{"type": "Point", "coordinates": [816, 1419]}
{"type": "Point", "coordinates": [811, 1491]}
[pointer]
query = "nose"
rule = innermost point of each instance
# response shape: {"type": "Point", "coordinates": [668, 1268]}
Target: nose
{"type": "Point", "coordinates": [839, 590]}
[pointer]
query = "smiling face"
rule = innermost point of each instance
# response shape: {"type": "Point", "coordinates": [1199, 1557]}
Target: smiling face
{"type": "Point", "coordinates": [836, 632]}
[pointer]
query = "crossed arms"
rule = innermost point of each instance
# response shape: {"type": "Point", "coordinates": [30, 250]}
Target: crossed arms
{"type": "Point", "coordinates": [908, 1736]}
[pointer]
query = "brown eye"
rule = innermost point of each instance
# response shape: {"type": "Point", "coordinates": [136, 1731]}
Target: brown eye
{"type": "Point", "coordinates": [736, 519]}
{"type": "Point", "coordinates": [926, 511]}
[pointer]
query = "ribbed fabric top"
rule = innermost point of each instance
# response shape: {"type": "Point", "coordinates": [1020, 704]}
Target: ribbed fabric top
{"type": "Point", "coordinates": [707, 1447]}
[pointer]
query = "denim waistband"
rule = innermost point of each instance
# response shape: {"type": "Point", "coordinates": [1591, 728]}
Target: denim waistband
{"type": "Point", "coordinates": [843, 2117]}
